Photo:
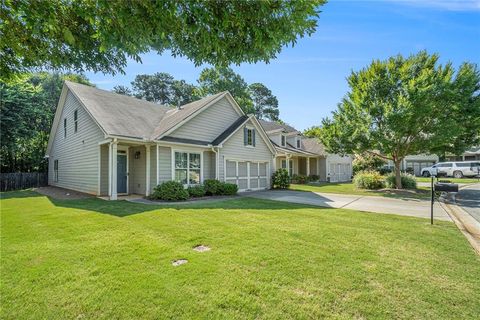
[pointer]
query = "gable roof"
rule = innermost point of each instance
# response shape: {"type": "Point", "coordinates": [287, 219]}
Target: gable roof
{"type": "Point", "coordinates": [132, 117]}
{"type": "Point", "coordinates": [173, 117]}
{"type": "Point", "coordinates": [313, 145]}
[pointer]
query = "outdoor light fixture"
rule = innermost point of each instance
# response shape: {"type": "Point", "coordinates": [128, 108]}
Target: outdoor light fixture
{"type": "Point", "coordinates": [137, 155]}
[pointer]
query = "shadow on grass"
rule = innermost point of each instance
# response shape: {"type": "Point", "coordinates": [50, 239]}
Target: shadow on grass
{"type": "Point", "coordinates": [123, 208]}
{"type": "Point", "coordinates": [19, 194]}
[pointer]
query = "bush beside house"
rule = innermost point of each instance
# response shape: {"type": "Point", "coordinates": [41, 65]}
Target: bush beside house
{"type": "Point", "coordinates": [175, 191]}
{"type": "Point", "coordinates": [281, 179]}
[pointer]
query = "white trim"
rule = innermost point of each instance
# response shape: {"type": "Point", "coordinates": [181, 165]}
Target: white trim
{"type": "Point", "coordinates": [114, 170]}
{"type": "Point", "coordinates": [188, 151]}
{"type": "Point", "coordinates": [99, 170]}
{"type": "Point", "coordinates": [158, 165]}
{"type": "Point", "coordinates": [110, 169]}
{"type": "Point", "coordinates": [127, 153]}
{"type": "Point", "coordinates": [147, 169]}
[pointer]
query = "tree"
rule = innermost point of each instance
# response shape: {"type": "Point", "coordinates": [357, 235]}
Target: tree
{"type": "Point", "coordinates": [27, 108]}
{"type": "Point", "coordinates": [102, 35]}
{"type": "Point", "coordinates": [160, 88]}
{"type": "Point", "coordinates": [313, 132]}
{"type": "Point", "coordinates": [265, 103]}
{"type": "Point", "coordinates": [404, 106]}
{"type": "Point", "coordinates": [367, 161]}
{"type": "Point", "coordinates": [155, 88]}
{"type": "Point", "coordinates": [123, 90]}
{"type": "Point", "coordinates": [215, 80]}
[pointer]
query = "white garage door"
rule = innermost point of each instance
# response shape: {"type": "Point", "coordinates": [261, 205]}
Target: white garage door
{"type": "Point", "coordinates": [340, 172]}
{"type": "Point", "coordinates": [248, 175]}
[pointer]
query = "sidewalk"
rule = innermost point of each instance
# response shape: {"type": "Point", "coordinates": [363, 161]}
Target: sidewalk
{"type": "Point", "coordinates": [404, 207]}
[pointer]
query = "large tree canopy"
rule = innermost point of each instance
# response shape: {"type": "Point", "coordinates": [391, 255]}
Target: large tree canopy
{"type": "Point", "coordinates": [101, 35]}
{"type": "Point", "coordinates": [404, 106]}
{"type": "Point", "coordinates": [27, 108]}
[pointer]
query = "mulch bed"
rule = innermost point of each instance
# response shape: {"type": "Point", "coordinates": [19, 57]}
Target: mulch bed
{"type": "Point", "coordinates": [62, 194]}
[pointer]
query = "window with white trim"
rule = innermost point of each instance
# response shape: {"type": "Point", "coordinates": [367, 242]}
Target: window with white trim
{"type": "Point", "coordinates": [249, 137]}
{"type": "Point", "coordinates": [284, 141]}
{"type": "Point", "coordinates": [55, 170]}
{"type": "Point", "coordinates": [75, 120]}
{"type": "Point", "coordinates": [187, 167]}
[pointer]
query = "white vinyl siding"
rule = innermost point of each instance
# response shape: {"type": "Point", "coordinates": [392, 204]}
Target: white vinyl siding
{"type": "Point", "coordinates": [234, 149]}
{"type": "Point", "coordinates": [208, 124]}
{"type": "Point", "coordinates": [77, 153]}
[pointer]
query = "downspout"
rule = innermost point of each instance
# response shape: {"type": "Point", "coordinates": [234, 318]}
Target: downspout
{"type": "Point", "coordinates": [217, 159]}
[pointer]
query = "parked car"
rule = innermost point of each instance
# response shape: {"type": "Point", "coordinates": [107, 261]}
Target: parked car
{"type": "Point", "coordinates": [454, 169]}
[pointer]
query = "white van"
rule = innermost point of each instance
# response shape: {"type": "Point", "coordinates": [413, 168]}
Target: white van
{"type": "Point", "coordinates": [454, 169]}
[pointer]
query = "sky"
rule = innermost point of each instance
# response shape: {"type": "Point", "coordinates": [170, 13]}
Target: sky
{"type": "Point", "coordinates": [309, 79]}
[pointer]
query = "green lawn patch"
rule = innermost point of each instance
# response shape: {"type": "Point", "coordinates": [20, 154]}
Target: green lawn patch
{"type": "Point", "coordinates": [349, 188]}
{"type": "Point", "coordinates": [96, 259]}
{"type": "Point", "coordinates": [454, 180]}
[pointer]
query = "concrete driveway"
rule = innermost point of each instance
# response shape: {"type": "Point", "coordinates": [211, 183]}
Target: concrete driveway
{"type": "Point", "coordinates": [404, 207]}
{"type": "Point", "coordinates": [469, 199]}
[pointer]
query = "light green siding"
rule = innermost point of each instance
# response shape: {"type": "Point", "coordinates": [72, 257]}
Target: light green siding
{"type": "Point", "coordinates": [208, 124]}
{"type": "Point", "coordinates": [234, 148]}
{"type": "Point", "coordinates": [165, 164]}
{"type": "Point", "coordinates": [137, 177]}
{"type": "Point", "coordinates": [78, 153]}
{"type": "Point", "coordinates": [208, 165]}
{"type": "Point", "coordinates": [104, 170]}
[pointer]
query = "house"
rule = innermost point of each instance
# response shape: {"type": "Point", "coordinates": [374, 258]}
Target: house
{"type": "Point", "coordinates": [306, 156]}
{"type": "Point", "coordinates": [471, 154]}
{"type": "Point", "coordinates": [107, 144]}
{"type": "Point", "coordinates": [415, 163]}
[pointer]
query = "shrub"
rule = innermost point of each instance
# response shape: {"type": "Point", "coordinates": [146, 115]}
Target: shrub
{"type": "Point", "coordinates": [385, 170]}
{"type": "Point", "coordinates": [228, 189]}
{"type": "Point", "coordinates": [170, 191]}
{"type": "Point", "coordinates": [366, 162]}
{"type": "Point", "coordinates": [408, 181]}
{"type": "Point", "coordinates": [196, 191]}
{"type": "Point", "coordinates": [212, 187]}
{"type": "Point", "coordinates": [299, 178]}
{"type": "Point", "coordinates": [370, 180]}
{"type": "Point", "coordinates": [280, 179]}
{"type": "Point", "coordinates": [314, 177]}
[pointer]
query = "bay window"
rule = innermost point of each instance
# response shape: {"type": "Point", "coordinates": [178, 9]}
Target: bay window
{"type": "Point", "coordinates": [187, 167]}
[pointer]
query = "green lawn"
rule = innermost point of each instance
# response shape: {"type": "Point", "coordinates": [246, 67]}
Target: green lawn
{"type": "Point", "coordinates": [95, 259]}
{"type": "Point", "coordinates": [349, 188]}
{"type": "Point", "coordinates": [463, 180]}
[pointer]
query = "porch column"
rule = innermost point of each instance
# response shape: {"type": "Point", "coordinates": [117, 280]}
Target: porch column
{"type": "Point", "coordinates": [113, 181]}
{"type": "Point", "coordinates": [287, 161]}
{"type": "Point", "coordinates": [147, 170]}
{"type": "Point", "coordinates": [308, 166]}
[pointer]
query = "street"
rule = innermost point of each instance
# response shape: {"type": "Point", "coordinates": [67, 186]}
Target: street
{"type": "Point", "coordinates": [469, 199]}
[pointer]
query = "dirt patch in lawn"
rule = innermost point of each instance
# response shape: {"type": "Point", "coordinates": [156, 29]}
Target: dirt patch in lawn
{"type": "Point", "coordinates": [61, 193]}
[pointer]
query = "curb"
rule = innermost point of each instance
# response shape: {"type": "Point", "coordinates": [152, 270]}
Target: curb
{"type": "Point", "coordinates": [464, 222]}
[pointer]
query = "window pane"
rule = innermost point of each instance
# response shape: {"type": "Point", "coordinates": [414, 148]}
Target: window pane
{"type": "Point", "coordinates": [195, 160]}
{"type": "Point", "coordinates": [249, 137]}
{"type": "Point", "coordinates": [180, 159]}
{"type": "Point", "coordinates": [194, 177]}
{"type": "Point", "coordinates": [181, 175]}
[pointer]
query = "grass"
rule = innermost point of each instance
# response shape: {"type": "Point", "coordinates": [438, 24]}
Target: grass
{"type": "Point", "coordinates": [349, 188]}
{"type": "Point", "coordinates": [95, 259]}
{"type": "Point", "coordinates": [454, 180]}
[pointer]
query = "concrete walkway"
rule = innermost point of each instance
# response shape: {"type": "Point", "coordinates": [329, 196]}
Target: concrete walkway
{"type": "Point", "coordinates": [404, 207]}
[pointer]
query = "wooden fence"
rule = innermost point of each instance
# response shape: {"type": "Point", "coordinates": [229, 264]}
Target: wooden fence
{"type": "Point", "coordinates": [22, 180]}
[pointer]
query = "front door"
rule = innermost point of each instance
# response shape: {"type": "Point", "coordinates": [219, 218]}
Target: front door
{"type": "Point", "coordinates": [121, 173]}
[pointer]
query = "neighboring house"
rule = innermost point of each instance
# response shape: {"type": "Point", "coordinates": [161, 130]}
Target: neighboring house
{"type": "Point", "coordinates": [107, 144]}
{"type": "Point", "coordinates": [415, 163]}
{"type": "Point", "coordinates": [306, 156]}
{"type": "Point", "coordinates": [471, 154]}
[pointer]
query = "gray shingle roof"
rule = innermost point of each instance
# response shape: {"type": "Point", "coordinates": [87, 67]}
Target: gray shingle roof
{"type": "Point", "coordinates": [119, 114]}
{"type": "Point", "coordinates": [313, 145]}
{"type": "Point", "coordinates": [271, 125]}
{"type": "Point", "coordinates": [126, 116]}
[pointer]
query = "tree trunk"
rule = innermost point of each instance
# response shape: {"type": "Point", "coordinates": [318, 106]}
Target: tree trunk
{"type": "Point", "coordinates": [398, 177]}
